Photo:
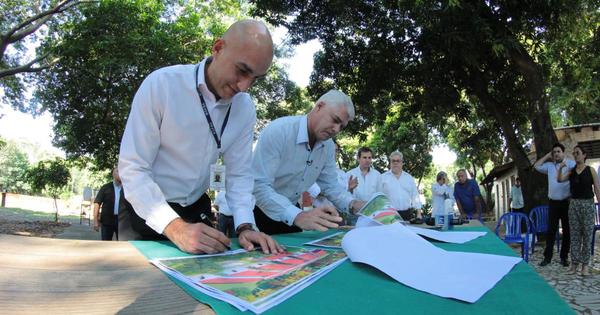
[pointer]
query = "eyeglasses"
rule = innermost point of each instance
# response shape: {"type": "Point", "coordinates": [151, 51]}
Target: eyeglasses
{"type": "Point", "coordinates": [396, 161]}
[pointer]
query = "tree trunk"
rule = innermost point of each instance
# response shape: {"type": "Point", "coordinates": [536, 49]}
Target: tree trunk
{"type": "Point", "coordinates": [56, 210]}
{"type": "Point", "coordinates": [534, 188]}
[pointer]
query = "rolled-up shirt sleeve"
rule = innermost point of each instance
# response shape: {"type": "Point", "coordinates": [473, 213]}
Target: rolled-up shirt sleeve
{"type": "Point", "coordinates": [239, 180]}
{"type": "Point", "coordinates": [327, 180]}
{"type": "Point", "coordinates": [266, 161]}
{"type": "Point", "coordinates": [414, 194]}
{"type": "Point", "coordinates": [139, 146]}
{"type": "Point", "coordinates": [542, 168]}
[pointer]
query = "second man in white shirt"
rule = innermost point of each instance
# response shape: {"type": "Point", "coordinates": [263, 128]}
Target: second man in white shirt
{"type": "Point", "coordinates": [291, 154]}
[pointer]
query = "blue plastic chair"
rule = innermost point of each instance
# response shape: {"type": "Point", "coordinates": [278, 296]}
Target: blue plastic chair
{"type": "Point", "coordinates": [539, 224]}
{"type": "Point", "coordinates": [512, 222]}
{"type": "Point", "coordinates": [596, 227]}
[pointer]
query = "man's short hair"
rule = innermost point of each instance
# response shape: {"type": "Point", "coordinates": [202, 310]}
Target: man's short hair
{"type": "Point", "coordinates": [559, 145]}
{"type": "Point", "coordinates": [338, 98]}
{"type": "Point", "coordinates": [363, 150]}
{"type": "Point", "coordinates": [398, 154]}
{"type": "Point", "coordinates": [461, 170]}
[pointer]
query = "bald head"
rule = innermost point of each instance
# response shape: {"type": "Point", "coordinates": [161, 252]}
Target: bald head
{"type": "Point", "coordinates": [241, 56]}
{"type": "Point", "coordinates": [250, 32]}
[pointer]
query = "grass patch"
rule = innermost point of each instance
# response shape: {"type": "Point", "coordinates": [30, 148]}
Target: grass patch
{"type": "Point", "coordinates": [30, 215]}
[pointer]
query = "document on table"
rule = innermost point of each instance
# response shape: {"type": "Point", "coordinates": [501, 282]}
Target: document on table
{"type": "Point", "coordinates": [252, 280]}
{"type": "Point", "coordinates": [378, 211]}
{"type": "Point", "coordinates": [403, 255]}
{"type": "Point", "coordinates": [330, 241]}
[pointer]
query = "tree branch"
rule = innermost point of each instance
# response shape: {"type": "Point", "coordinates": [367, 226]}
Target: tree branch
{"type": "Point", "coordinates": [44, 15]}
{"type": "Point", "coordinates": [28, 67]}
{"type": "Point", "coordinates": [33, 23]}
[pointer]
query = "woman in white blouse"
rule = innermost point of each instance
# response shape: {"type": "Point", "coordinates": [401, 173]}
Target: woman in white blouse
{"type": "Point", "coordinates": [440, 192]}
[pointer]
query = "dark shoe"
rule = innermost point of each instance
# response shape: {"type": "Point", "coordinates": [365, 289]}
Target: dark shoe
{"type": "Point", "coordinates": [545, 262]}
{"type": "Point", "coordinates": [564, 262]}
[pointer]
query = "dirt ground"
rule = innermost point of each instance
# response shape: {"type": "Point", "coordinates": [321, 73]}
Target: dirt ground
{"type": "Point", "coordinates": [32, 228]}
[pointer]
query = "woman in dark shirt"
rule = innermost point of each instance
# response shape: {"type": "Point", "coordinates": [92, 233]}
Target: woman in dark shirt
{"type": "Point", "coordinates": [584, 182]}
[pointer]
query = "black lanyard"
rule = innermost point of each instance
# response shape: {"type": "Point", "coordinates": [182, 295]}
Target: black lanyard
{"type": "Point", "coordinates": [207, 114]}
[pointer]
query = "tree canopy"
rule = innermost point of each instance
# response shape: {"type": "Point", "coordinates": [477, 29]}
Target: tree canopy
{"type": "Point", "coordinates": [22, 24]}
{"type": "Point", "coordinates": [444, 59]}
{"type": "Point", "coordinates": [13, 167]}
{"type": "Point", "coordinates": [50, 176]}
{"type": "Point", "coordinates": [108, 50]}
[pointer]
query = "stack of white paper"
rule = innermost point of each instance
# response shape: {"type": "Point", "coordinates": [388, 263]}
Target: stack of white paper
{"type": "Point", "coordinates": [252, 280]}
{"type": "Point", "coordinates": [411, 260]}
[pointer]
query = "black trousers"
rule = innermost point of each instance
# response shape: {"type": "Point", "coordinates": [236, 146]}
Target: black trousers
{"type": "Point", "coordinates": [408, 214]}
{"type": "Point", "coordinates": [270, 227]}
{"type": "Point", "coordinates": [558, 210]}
{"type": "Point", "coordinates": [107, 231]}
{"type": "Point", "coordinates": [197, 212]}
{"type": "Point", "coordinates": [226, 225]}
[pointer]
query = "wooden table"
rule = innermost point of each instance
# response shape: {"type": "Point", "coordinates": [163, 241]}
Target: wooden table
{"type": "Point", "coordinates": [54, 276]}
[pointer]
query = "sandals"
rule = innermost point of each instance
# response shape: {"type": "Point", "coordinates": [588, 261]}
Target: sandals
{"type": "Point", "coordinates": [585, 271]}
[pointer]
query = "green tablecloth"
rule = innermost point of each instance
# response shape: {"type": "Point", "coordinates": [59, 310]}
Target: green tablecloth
{"type": "Point", "coordinates": [361, 289]}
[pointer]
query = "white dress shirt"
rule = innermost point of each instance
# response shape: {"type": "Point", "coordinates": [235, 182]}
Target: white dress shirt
{"type": "Point", "coordinates": [342, 178]}
{"type": "Point", "coordinates": [516, 196]}
{"type": "Point", "coordinates": [439, 194]}
{"type": "Point", "coordinates": [167, 146]}
{"type": "Point", "coordinates": [117, 198]}
{"type": "Point", "coordinates": [402, 191]}
{"type": "Point", "coordinates": [284, 167]}
{"type": "Point", "coordinates": [221, 202]}
{"type": "Point", "coordinates": [556, 190]}
{"type": "Point", "coordinates": [367, 184]}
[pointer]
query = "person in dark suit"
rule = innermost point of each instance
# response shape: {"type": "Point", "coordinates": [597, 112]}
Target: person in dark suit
{"type": "Point", "coordinates": [112, 200]}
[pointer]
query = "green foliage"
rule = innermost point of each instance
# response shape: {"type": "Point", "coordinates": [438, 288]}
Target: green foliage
{"type": "Point", "coordinates": [49, 176]}
{"type": "Point", "coordinates": [111, 46]}
{"type": "Point", "coordinates": [575, 71]}
{"type": "Point", "coordinates": [13, 166]}
{"type": "Point", "coordinates": [277, 96]}
{"type": "Point", "coordinates": [434, 55]}
{"type": "Point", "coordinates": [105, 54]}
{"type": "Point", "coordinates": [407, 133]}
{"type": "Point", "coordinates": [22, 27]}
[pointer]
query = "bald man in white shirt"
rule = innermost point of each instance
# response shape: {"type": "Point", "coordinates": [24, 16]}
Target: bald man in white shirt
{"type": "Point", "coordinates": [182, 119]}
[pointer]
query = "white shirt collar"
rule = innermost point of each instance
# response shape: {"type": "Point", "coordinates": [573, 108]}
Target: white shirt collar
{"type": "Point", "coordinates": [302, 136]}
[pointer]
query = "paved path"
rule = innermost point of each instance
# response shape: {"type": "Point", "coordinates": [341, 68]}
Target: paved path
{"type": "Point", "coordinates": [582, 293]}
{"type": "Point", "coordinates": [79, 232]}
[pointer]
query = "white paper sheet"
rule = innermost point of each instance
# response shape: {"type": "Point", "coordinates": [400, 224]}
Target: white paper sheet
{"type": "Point", "coordinates": [413, 261]}
{"type": "Point", "coordinates": [447, 236]}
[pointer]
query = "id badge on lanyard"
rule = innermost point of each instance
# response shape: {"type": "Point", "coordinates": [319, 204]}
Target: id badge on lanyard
{"type": "Point", "coordinates": [217, 170]}
{"type": "Point", "coordinates": [217, 174]}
